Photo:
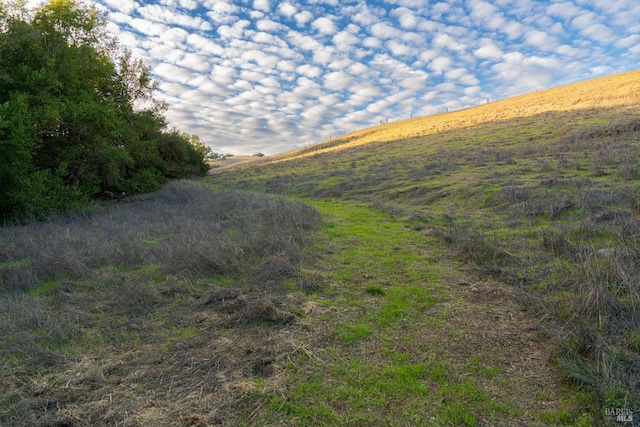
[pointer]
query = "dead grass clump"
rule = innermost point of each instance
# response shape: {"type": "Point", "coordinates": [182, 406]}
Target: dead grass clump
{"type": "Point", "coordinates": [570, 183]}
{"type": "Point", "coordinates": [596, 199]}
{"type": "Point", "coordinates": [219, 294]}
{"type": "Point", "coordinates": [272, 270]}
{"type": "Point", "coordinates": [597, 321]}
{"type": "Point", "coordinates": [474, 246]}
{"type": "Point", "coordinates": [509, 194]}
{"type": "Point", "coordinates": [309, 283]}
{"type": "Point", "coordinates": [262, 309]}
{"type": "Point", "coordinates": [610, 215]}
{"type": "Point", "coordinates": [513, 193]}
{"type": "Point", "coordinates": [440, 164]}
{"type": "Point", "coordinates": [16, 276]}
{"type": "Point", "coordinates": [554, 242]}
{"type": "Point", "coordinates": [551, 206]}
{"type": "Point", "coordinates": [611, 129]}
{"type": "Point", "coordinates": [391, 208]}
{"type": "Point", "coordinates": [629, 171]}
{"type": "Point", "coordinates": [248, 305]}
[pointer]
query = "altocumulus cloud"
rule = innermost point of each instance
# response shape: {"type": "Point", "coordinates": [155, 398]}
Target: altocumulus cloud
{"type": "Point", "coordinates": [267, 76]}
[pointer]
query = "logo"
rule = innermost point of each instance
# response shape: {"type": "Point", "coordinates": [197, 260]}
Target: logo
{"type": "Point", "coordinates": [620, 415]}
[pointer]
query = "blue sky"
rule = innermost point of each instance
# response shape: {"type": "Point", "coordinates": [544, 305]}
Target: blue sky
{"type": "Point", "coordinates": [267, 76]}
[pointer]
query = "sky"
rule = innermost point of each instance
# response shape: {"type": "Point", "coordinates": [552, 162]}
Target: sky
{"type": "Point", "coordinates": [267, 76]}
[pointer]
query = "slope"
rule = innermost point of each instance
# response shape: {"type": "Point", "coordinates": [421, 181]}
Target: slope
{"type": "Point", "coordinates": [526, 211]}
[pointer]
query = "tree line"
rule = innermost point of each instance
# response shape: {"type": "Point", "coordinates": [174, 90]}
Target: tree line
{"type": "Point", "coordinates": [78, 117]}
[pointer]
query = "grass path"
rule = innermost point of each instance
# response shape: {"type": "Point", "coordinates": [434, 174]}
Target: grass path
{"type": "Point", "coordinates": [410, 339]}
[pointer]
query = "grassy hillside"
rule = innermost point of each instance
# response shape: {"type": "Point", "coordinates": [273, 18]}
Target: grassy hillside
{"type": "Point", "coordinates": [473, 268]}
{"type": "Point", "coordinates": [539, 193]}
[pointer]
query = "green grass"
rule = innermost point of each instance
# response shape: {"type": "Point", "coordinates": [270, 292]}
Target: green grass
{"type": "Point", "coordinates": [500, 197]}
{"type": "Point", "coordinates": [389, 362]}
{"type": "Point", "coordinates": [472, 268]}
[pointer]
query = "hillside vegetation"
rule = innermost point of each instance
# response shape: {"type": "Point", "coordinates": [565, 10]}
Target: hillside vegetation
{"type": "Point", "coordinates": [473, 268]}
{"type": "Point", "coordinates": [540, 193]}
{"type": "Point", "coordinates": [151, 311]}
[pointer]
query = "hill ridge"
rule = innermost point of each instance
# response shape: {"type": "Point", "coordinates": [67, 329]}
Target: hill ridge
{"type": "Point", "coordinates": [579, 95]}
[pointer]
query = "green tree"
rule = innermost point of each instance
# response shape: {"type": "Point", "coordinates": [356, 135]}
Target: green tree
{"type": "Point", "coordinates": [77, 117]}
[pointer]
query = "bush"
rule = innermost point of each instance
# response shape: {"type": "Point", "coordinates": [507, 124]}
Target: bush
{"type": "Point", "coordinates": [71, 124]}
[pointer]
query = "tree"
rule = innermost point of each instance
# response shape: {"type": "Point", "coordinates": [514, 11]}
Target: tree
{"type": "Point", "coordinates": [77, 117]}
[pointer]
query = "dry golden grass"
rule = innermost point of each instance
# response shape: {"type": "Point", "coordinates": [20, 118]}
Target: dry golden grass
{"type": "Point", "coordinates": [611, 91]}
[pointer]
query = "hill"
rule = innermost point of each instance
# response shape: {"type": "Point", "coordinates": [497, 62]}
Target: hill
{"type": "Point", "coordinates": [479, 267]}
{"type": "Point", "coordinates": [537, 198]}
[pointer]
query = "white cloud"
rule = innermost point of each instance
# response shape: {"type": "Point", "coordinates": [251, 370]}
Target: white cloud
{"type": "Point", "coordinates": [118, 18]}
{"type": "Point", "coordinates": [124, 6]}
{"type": "Point", "coordinates": [323, 55]}
{"type": "Point", "coordinates": [446, 41]}
{"type": "Point", "coordinates": [158, 13]}
{"type": "Point", "coordinates": [527, 72]}
{"type": "Point", "coordinates": [358, 68]}
{"type": "Point", "coordinates": [222, 12]}
{"type": "Point", "coordinates": [564, 10]}
{"type": "Point", "coordinates": [204, 45]}
{"type": "Point", "coordinates": [344, 40]}
{"type": "Point", "coordinates": [269, 25]}
{"type": "Point", "coordinates": [513, 30]}
{"type": "Point", "coordinates": [405, 17]}
{"type": "Point", "coordinates": [172, 73]}
{"type": "Point", "coordinates": [627, 42]}
{"type": "Point", "coordinates": [146, 27]}
{"type": "Point", "coordinates": [371, 42]}
{"type": "Point", "coordinates": [488, 50]}
{"type": "Point", "coordinates": [251, 76]}
{"type": "Point", "coordinates": [472, 90]}
{"type": "Point", "coordinates": [234, 31]}
{"type": "Point", "coordinates": [262, 59]}
{"type": "Point", "coordinates": [440, 64]}
{"type": "Point", "coordinates": [567, 50]}
{"type": "Point", "coordinates": [429, 54]}
{"type": "Point", "coordinates": [600, 70]}
{"type": "Point", "coordinates": [303, 17]}
{"type": "Point", "coordinates": [599, 33]}
{"type": "Point", "coordinates": [456, 73]}
{"type": "Point", "coordinates": [415, 80]}
{"type": "Point", "coordinates": [174, 35]}
{"type": "Point", "coordinates": [195, 62]}
{"type": "Point", "coordinates": [399, 49]}
{"type": "Point", "coordinates": [541, 40]}
{"type": "Point", "coordinates": [384, 31]}
{"type": "Point", "coordinates": [223, 75]}
{"type": "Point", "coordinates": [447, 87]}
{"type": "Point", "coordinates": [309, 71]}
{"type": "Point", "coordinates": [287, 9]}
{"type": "Point", "coordinates": [324, 25]}
{"type": "Point", "coordinates": [303, 41]}
{"type": "Point", "coordinates": [262, 5]}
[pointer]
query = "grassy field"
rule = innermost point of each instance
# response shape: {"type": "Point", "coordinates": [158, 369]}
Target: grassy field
{"type": "Point", "coordinates": [536, 197]}
{"type": "Point", "coordinates": [152, 311]}
{"type": "Point", "coordinates": [473, 268]}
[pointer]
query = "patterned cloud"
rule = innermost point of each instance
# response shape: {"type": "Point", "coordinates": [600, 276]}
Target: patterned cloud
{"type": "Point", "coordinates": [267, 76]}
